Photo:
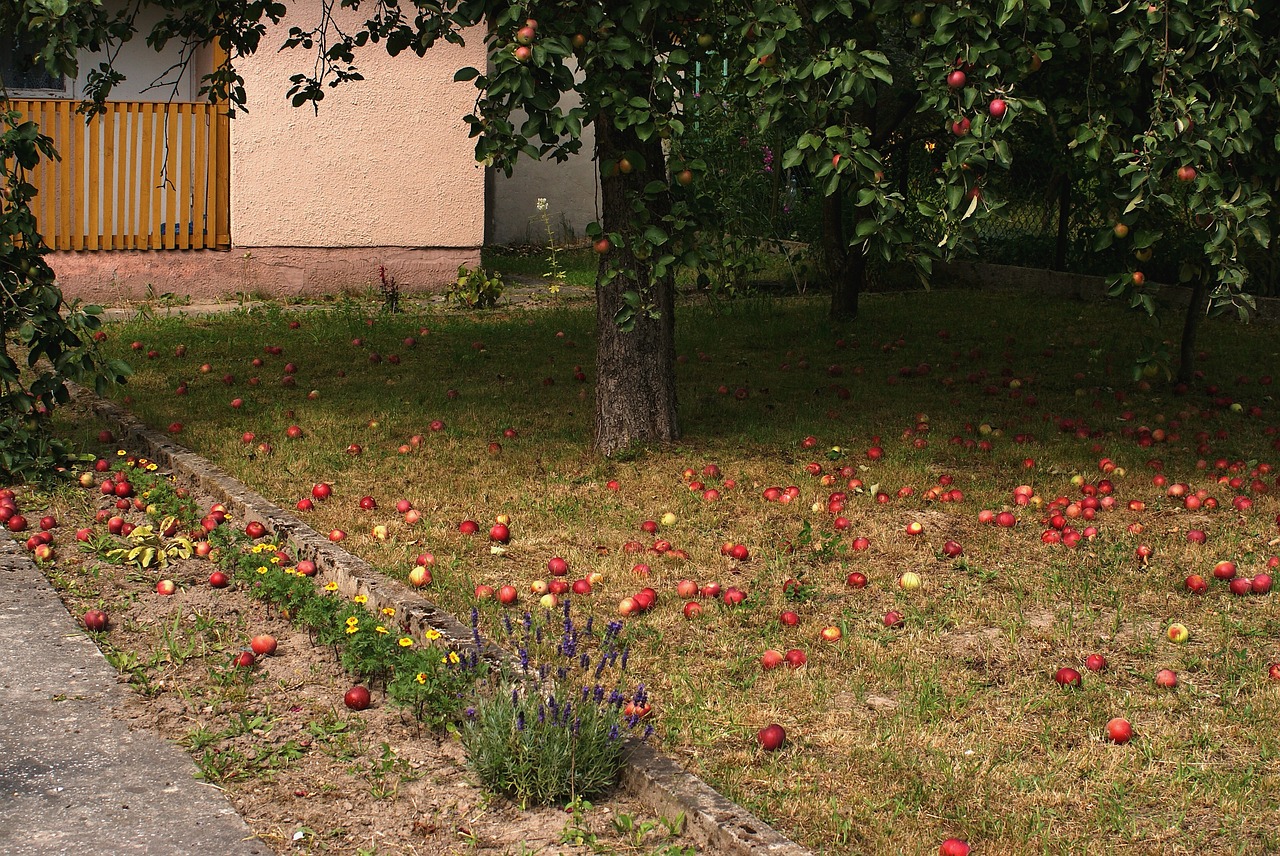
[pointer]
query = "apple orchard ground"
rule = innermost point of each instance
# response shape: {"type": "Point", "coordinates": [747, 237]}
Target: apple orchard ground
{"type": "Point", "coordinates": [951, 724]}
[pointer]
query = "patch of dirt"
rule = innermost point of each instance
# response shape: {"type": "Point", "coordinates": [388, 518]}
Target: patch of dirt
{"type": "Point", "coordinates": [307, 774]}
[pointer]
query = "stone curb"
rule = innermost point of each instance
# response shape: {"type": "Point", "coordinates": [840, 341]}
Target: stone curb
{"type": "Point", "coordinates": [653, 778]}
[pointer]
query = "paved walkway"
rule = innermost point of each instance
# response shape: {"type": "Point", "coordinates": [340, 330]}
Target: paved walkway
{"type": "Point", "coordinates": [74, 778]}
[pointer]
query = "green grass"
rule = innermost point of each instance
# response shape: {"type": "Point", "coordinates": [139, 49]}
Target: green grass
{"type": "Point", "coordinates": [951, 725]}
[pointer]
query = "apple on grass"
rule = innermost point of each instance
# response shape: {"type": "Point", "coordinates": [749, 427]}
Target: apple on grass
{"type": "Point", "coordinates": [1119, 730]}
{"type": "Point", "coordinates": [1178, 633]}
{"type": "Point", "coordinates": [953, 847]}
{"type": "Point", "coordinates": [771, 737]}
{"type": "Point", "coordinates": [1067, 677]}
{"type": "Point", "coordinates": [419, 577]}
{"type": "Point", "coordinates": [771, 660]}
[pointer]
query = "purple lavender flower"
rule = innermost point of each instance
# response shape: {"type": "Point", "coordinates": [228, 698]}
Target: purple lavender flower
{"type": "Point", "coordinates": [591, 619]}
{"type": "Point", "coordinates": [524, 658]}
{"type": "Point", "coordinates": [597, 693]}
{"type": "Point", "coordinates": [506, 624]}
{"type": "Point", "coordinates": [577, 724]}
{"type": "Point", "coordinates": [515, 697]}
{"type": "Point", "coordinates": [542, 714]}
{"type": "Point", "coordinates": [520, 721]}
{"type": "Point", "coordinates": [614, 733]}
{"type": "Point", "coordinates": [648, 732]}
{"type": "Point", "coordinates": [625, 654]}
{"type": "Point", "coordinates": [470, 713]}
{"type": "Point", "coordinates": [585, 661]}
{"type": "Point", "coordinates": [565, 714]}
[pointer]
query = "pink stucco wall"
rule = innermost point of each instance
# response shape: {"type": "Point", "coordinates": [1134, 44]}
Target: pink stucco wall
{"type": "Point", "coordinates": [387, 162]}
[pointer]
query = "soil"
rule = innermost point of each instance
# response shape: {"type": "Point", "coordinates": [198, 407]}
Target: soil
{"type": "Point", "coordinates": [308, 775]}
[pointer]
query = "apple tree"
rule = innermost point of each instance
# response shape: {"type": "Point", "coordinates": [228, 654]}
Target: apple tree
{"type": "Point", "coordinates": [1178, 123]}
{"type": "Point", "coordinates": [866, 80]}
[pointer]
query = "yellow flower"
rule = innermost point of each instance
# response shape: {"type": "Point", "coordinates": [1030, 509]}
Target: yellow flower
{"type": "Point", "coordinates": [275, 560]}
{"type": "Point", "coordinates": [152, 467]}
{"type": "Point", "coordinates": [432, 634]}
{"type": "Point", "coordinates": [388, 610]}
{"type": "Point", "coordinates": [257, 548]}
{"type": "Point", "coordinates": [406, 642]}
{"type": "Point", "coordinates": [421, 677]}
{"type": "Point", "coordinates": [262, 570]}
{"type": "Point", "coordinates": [352, 621]}
{"type": "Point", "coordinates": [120, 452]}
{"type": "Point", "coordinates": [360, 599]}
{"type": "Point", "coordinates": [380, 629]}
{"type": "Point", "coordinates": [353, 629]}
{"type": "Point", "coordinates": [330, 586]}
{"type": "Point", "coordinates": [454, 658]}
{"type": "Point", "coordinates": [444, 659]}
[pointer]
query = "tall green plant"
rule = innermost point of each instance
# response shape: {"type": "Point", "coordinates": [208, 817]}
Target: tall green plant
{"type": "Point", "coordinates": [46, 341]}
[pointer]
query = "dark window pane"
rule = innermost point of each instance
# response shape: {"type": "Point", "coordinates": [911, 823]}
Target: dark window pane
{"type": "Point", "coordinates": [19, 71]}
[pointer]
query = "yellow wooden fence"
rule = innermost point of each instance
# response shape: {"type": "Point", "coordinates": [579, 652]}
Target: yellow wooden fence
{"type": "Point", "coordinates": [141, 176]}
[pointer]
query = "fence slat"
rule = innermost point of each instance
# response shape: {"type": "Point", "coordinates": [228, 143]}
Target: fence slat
{"type": "Point", "coordinates": [107, 241]}
{"type": "Point", "coordinates": [200, 175]}
{"type": "Point", "coordinates": [171, 172]}
{"type": "Point", "coordinates": [94, 151]}
{"type": "Point", "coordinates": [67, 150]}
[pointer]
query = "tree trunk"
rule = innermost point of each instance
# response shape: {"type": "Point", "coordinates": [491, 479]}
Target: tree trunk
{"type": "Point", "coordinates": [846, 268]}
{"type": "Point", "coordinates": [1190, 325]}
{"type": "Point", "coordinates": [635, 369]}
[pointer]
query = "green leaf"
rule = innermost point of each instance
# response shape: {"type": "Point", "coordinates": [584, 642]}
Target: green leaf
{"type": "Point", "coordinates": [464, 74]}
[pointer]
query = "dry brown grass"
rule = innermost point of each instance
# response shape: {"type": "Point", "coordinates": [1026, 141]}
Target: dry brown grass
{"type": "Point", "coordinates": [951, 725]}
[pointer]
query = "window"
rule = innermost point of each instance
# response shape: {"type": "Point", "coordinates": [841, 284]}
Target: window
{"type": "Point", "coordinates": [19, 70]}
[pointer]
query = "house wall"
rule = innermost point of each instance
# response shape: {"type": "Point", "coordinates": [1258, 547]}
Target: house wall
{"type": "Point", "coordinates": [386, 162]}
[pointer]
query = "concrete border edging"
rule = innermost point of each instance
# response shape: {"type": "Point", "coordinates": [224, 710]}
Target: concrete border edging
{"type": "Point", "coordinates": [652, 777]}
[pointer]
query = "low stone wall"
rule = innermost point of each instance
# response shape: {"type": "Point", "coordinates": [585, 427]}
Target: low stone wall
{"type": "Point", "coordinates": [212, 276]}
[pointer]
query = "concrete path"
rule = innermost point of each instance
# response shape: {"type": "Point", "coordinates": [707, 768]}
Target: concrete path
{"type": "Point", "coordinates": [73, 778]}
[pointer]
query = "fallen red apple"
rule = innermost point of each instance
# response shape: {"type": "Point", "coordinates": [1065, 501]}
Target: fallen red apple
{"type": "Point", "coordinates": [263, 644]}
{"type": "Point", "coordinates": [1095, 662]}
{"type": "Point", "coordinates": [356, 698]}
{"type": "Point", "coordinates": [95, 620]}
{"type": "Point", "coordinates": [771, 660]}
{"type": "Point", "coordinates": [321, 491]}
{"type": "Point", "coordinates": [306, 568]}
{"type": "Point", "coordinates": [789, 618]}
{"type": "Point", "coordinates": [1067, 677]}
{"type": "Point", "coordinates": [857, 579]}
{"type": "Point", "coordinates": [1119, 730]}
{"type": "Point", "coordinates": [166, 587]}
{"type": "Point", "coordinates": [692, 610]}
{"type": "Point", "coordinates": [771, 737]}
{"type": "Point", "coordinates": [1166, 678]}
{"type": "Point", "coordinates": [953, 847]}
{"type": "Point", "coordinates": [795, 658]}
{"type": "Point", "coordinates": [218, 579]}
